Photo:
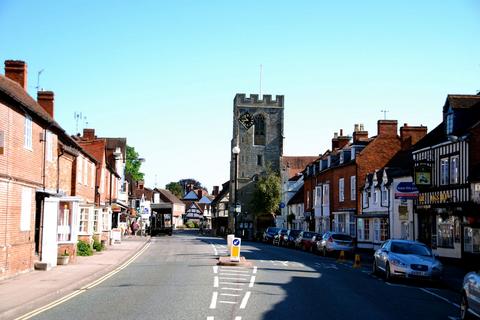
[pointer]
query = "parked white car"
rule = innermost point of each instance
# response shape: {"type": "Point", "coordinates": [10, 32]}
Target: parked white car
{"type": "Point", "coordinates": [406, 259]}
{"type": "Point", "coordinates": [470, 303]}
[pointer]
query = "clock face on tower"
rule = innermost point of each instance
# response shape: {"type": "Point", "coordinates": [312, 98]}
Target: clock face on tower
{"type": "Point", "coordinates": [246, 119]}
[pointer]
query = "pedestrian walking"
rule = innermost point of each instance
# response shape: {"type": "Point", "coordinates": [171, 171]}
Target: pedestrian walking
{"type": "Point", "coordinates": [134, 227]}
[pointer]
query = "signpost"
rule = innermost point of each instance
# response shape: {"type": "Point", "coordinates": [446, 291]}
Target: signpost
{"type": "Point", "coordinates": [235, 250]}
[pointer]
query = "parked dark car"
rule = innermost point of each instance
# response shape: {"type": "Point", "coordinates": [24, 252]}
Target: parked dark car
{"type": "Point", "coordinates": [280, 237]}
{"type": "Point", "coordinates": [304, 240]}
{"type": "Point", "coordinates": [335, 242]}
{"type": "Point", "coordinates": [316, 237]}
{"type": "Point", "coordinates": [269, 233]}
{"type": "Point", "coordinates": [291, 237]}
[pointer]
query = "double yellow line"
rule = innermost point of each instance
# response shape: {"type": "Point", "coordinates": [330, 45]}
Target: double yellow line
{"type": "Point", "coordinates": [83, 289]}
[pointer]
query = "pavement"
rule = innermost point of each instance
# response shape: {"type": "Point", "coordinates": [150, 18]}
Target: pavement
{"type": "Point", "coordinates": [29, 291]}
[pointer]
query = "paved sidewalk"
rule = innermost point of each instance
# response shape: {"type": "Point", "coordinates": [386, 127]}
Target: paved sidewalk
{"type": "Point", "coordinates": [26, 292]}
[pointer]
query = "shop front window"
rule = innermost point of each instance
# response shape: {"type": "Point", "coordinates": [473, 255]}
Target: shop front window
{"type": "Point", "coordinates": [380, 232]}
{"type": "Point", "coordinates": [471, 240]}
{"type": "Point", "coordinates": [445, 232]}
{"type": "Point", "coordinates": [363, 229]}
{"type": "Point", "coordinates": [64, 229]}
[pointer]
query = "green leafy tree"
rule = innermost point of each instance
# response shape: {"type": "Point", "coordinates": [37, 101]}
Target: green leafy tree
{"type": "Point", "coordinates": [133, 164]}
{"type": "Point", "coordinates": [175, 188]}
{"type": "Point", "coordinates": [267, 194]}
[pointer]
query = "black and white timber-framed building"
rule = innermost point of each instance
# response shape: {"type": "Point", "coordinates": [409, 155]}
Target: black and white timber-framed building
{"type": "Point", "coordinates": [447, 210]}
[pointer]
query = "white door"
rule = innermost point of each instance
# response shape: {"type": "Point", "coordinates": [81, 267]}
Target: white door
{"type": "Point", "coordinates": [49, 239]}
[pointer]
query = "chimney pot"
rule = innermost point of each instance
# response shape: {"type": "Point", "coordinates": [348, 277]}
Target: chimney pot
{"type": "Point", "coordinates": [341, 132]}
{"type": "Point", "coordinates": [16, 70]}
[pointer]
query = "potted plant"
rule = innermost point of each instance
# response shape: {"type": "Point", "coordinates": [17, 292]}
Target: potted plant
{"type": "Point", "coordinates": [63, 258]}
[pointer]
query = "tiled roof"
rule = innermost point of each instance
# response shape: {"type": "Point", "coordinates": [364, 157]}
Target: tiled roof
{"type": "Point", "coordinates": [13, 90]}
{"type": "Point", "coordinates": [460, 101]}
{"type": "Point", "coordinates": [434, 137]}
{"type": "Point", "coordinates": [294, 165]}
{"type": "Point", "coordinates": [169, 195]}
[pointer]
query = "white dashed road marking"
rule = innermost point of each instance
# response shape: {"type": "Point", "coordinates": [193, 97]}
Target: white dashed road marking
{"type": "Point", "coordinates": [215, 282]}
{"type": "Point", "coordinates": [213, 304]}
{"type": "Point", "coordinates": [439, 297]}
{"type": "Point", "coordinates": [254, 269]}
{"type": "Point", "coordinates": [245, 300]}
{"type": "Point", "coordinates": [252, 281]}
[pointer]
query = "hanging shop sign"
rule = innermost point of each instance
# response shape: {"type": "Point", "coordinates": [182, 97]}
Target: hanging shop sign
{"type": "Point", "coordinates": [423, 175]}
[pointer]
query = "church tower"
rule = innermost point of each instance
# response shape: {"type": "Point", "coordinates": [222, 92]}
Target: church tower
{"type": "Point", "coordinates": [258, 134]}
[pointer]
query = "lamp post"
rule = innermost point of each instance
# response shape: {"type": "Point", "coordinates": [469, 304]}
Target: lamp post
{"type": "Point", "coordinates": [235, 151]}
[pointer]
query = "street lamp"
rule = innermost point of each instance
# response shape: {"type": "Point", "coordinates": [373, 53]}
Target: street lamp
{"type": "Point", "coordinates": [235, 151]}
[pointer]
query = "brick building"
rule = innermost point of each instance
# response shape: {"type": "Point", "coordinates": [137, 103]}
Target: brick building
{"type": "Point", "coordinates": [332, 197]}
{"type": "Point", "coordinates": [96, 220]}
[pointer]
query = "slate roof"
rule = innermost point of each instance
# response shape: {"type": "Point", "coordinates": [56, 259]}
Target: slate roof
{"type": "Point", "coordinates": [297, 198]}
{"type": "Point", "coordinates": [205, 200]}
{"type": "Point", "coordinates": [222, 193]}
{"type": "Point", "coordinates": [191, 196]}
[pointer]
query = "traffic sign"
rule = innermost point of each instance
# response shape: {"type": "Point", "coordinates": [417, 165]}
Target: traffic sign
{"type": "Point", "coordinates": [282, 205]}
{"type": "Point", "coordinates": [235, 250]}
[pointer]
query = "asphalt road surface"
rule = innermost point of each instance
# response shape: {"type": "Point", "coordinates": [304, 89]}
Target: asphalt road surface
{"type": "Point", "coordinates": [177, 278]}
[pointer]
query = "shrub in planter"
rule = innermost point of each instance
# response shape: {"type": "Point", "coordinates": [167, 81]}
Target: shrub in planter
{"type": "Point", "coordinates": [97, 245]}
{"type": "Point", "coordinates": [84, 249]}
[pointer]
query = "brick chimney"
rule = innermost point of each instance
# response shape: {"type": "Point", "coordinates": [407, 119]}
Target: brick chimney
{"type": "Point", "coordinates": [16, 70]}
{"type": "Point", "coordinates": [342, 140]}
{"type": "Point", "coordinates": [215, 191]}
{"type": "Point", "coordinates": [387, 128]}
{"type": "Point", "coordinates": [359, 134]}
{"type": "Point", "coordinates": [335, 141]}
{"type": "Point", "coordinates": [140, 184]}
{"type": "Point", "coordinates": [89, 134]}
{"type": "Point", "coordinates": [46, 100]}
{"type": "Point", "coordinates": [410, 135]}
{"type": "Point", "coordinates": [199, 193]}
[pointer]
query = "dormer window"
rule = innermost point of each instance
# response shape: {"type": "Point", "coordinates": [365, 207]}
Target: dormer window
{"type": "Point", "coordinates": [450, 117]}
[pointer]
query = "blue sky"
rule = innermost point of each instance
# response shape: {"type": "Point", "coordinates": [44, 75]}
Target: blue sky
{"type": "Point", "coordinates": [164, 73]}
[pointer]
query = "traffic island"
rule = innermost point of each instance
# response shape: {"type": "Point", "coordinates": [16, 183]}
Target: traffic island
{"type": "Point", "coordinates": [225, 261]}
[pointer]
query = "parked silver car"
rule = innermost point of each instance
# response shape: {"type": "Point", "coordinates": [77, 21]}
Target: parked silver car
{"type": "Point", "coordinates": [470, 303]}
{"type": "Point", "coordinates": [407, 259]}
{"type": "Point", "coordinates": [333, 241]}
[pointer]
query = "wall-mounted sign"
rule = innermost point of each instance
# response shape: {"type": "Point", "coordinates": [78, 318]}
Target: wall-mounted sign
{"type": "Point", "coordinates": [403, 212]}
{"type": "Point", "coordinates": [406, 190]}
{"type": "Point", "coordinates": [434, 198]}
{"type": "Point", "coordinates": [423, 175]}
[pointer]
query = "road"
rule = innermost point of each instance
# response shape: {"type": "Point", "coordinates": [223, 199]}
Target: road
{"type": "Point", "coordinates": [177, 278]}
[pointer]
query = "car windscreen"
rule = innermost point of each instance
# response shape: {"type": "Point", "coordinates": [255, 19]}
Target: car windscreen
{"type": "Point", "coordinates": [283, 232]}
{"type": "Point", "coordinates": [409, 248]}
{"type": "Point", "coordinates": [341, 237]}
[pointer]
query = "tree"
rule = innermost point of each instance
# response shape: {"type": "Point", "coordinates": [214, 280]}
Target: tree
{"type": "Point", "coordinates": [133, 164]}
{"type": "Point", "coordinates": [190, 182]}
{"type": "Point", "coordinates": [175, 188]}
{"type": "Point", "coordinates": [267, 194]}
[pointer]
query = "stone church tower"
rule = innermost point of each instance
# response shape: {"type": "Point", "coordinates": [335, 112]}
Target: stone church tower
{"type": "Point", "coordinates": [258, 132]}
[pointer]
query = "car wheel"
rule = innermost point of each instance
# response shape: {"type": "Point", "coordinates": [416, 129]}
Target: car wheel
{"type": "Point", "coordinates": [388, 276]}
{"type": "Point", "coordinates": [464, 307]}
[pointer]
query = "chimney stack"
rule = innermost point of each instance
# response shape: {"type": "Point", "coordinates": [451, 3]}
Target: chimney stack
{"type": "Point", "coordinates": [215, 191]}
{"type": "Point", "coordinates": [335, 141]}
{"type": "Point", "coordinates": [359, 134]}
{"type": "Point", "coordinates": [387, 128]}
{"type": "Point", "coordinates": [409, 135]}
{"type": "Point", "coordinates": [342, 140]}
{"type": "Point", "coordinates": [46, 100]}
{"type": "Point", "coordinates": [16, 70]}
{"type": "Point", "coordinates": [200, 194]}
{"type": "Point", "coordinates": [89, 134]}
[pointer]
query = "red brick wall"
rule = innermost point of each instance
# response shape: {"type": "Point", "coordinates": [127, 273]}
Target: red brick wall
{"type": "Point", "coordinates": [85, 189]}
{"type": "Point", "coordinates": [66, 167]}
{"type": "Point", "coordinates": [19, 167]}
{"type": "Point", "coordinates": [344, 172]}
